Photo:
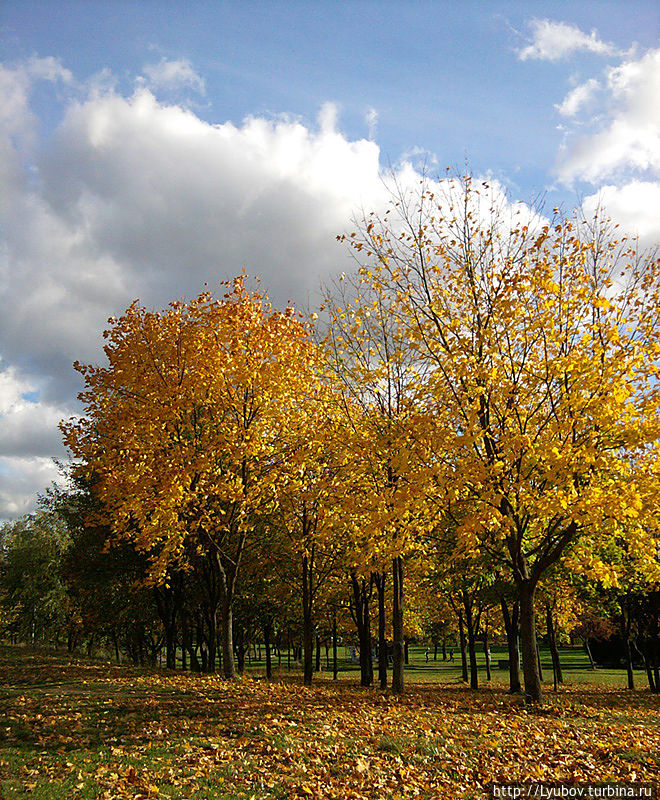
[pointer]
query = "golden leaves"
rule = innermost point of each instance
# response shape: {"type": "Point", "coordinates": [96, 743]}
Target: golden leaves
{"type": "Point", "coordinates": [120, 732]}
{"type": "Point", "coordinates": [188, 417]}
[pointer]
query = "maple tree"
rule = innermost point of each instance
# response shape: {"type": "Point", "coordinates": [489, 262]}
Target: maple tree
{"type": "Point", "coordinates": [374, 374]}
{"type": "Point", "coordinates": [536, 348]}
{"type": "Point", "coordinates": [185, 430]}
{"type": "Point", "coordinates": [308, 521]}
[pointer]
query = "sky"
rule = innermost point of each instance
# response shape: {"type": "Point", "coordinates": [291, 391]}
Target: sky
{"type": "Point", "coordinates": [148, 149]}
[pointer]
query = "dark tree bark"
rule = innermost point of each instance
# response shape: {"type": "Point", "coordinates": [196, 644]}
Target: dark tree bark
{"type": "Point", "coordinates": [645, 651]}
{"type": "Point", "coordinates": [335, 670]}
{"type": "Point", "coordinates": [269, 666]}
{"type": "Point", "coordinates": [587, 650]}
{"type": "Point", "coordinates": [471, 624]}
{"type": "Point", "coordinates": [487, 650]}
{"type": "Point", "coordinates": [538, 659]}
{"type": "Point", "coordinates": [463, 647]}
{"type": "Point", "coordinates": [552, 641]}
{"type": "Point", "coordinates": [380, 578]}
{"type": "Point", "coordinates": [398, 656]}
{"type": "Point", "coordinates": [531, 661]}
{"type": "Point", "coordinates": [360, 607]}
{"type": "Point", "coordinates": [308, 620]}
{"type": "Point", "coordinates": [168, 604]}
{"type": "Point", "coordinates": [626, 629]}
{"type": "Point", "coordinates": [318, 653]}
{"type": "Point", "coordinates": [240, 649]}
{"type": "Point", "coordinates": [511, 625]}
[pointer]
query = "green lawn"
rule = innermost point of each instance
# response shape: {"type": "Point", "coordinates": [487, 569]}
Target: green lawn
{"type": "Point", "coordinates": [79, 728]}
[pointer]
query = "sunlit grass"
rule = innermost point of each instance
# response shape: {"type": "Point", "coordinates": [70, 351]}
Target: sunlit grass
{"type": "Point", "coordinates": [74, 728]}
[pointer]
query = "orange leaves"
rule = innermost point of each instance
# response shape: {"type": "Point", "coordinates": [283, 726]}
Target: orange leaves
{"type": "Point", "coordinates": [186, 423]}
{"type": "Point", "coordinates": [331, 742]}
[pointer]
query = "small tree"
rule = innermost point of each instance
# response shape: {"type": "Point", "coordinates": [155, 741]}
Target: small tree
{"type": "Point", "coordinates": [185, 430]}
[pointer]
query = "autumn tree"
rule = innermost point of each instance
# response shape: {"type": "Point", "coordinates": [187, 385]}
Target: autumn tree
{"type": "Point", "coordinates": [375, 374]}
{"type": "Point", "coordinates": [307, 525]}
{"type": "Point", "coordinates": [537, 348]}
{"type": "Point", "coordinates": [185, 430]}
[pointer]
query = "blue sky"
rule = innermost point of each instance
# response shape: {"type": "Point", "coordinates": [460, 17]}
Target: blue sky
{"type": "Point", "coordinates": [147, 148]}
{"type": "Point", "coordinates": [441, 76]}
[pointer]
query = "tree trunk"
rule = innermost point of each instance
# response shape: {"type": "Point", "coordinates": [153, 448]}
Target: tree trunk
{"type": "Point", "coordinates": [552, 641]}
{"type": "Point", "coordinates": [335, 670]}
{"type": "Point", "coordinates": [531, 672]}
{"type": "Point", "coordinates": [645, 651]}
{"type": "Point", "coordinates": [380, 578]}
{"type": "Point", "coordinates": [228, 667]}
{"type": "Point", "coordinates": [538, 659]}
{"type": "Point", "coordinates": [398, 656]}
{"type": "Point", "coordinates": [269, 666]}
{"type": "Point", "coordinates": [629, 667]}
{"type": "Point", "coordinates": [471, 637]}
{"type": "Point", "coordinates": [463, 646]}
{"type": "Point", "coordinates": [363, 624]}
{"type": "Point", "coordinates": [240, 649]}
{"type": "Point", "coordinates": [308, 622]}
{"type": "Point", "coordinates": [513, 643]}
{"type": "Point", "coordinates": [587, 650]}
{"type": "Point", "coordinates": [487, 651]}
{"type": "Point", "coordinates": [318, 653]}
{"type": "Point", "coordinates": [211, 639]}
{"type": "Point", "coordinates": [626, 642]}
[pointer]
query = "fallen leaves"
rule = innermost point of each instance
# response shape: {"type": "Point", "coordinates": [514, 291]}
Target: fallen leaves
{"type": "Point", "coordinates": [127, 733]}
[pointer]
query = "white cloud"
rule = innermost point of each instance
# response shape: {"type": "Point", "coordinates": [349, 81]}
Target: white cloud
{"type": "Point", "coordinates": [371, 118]}
{"type": "Point", "coordinates": [28, 425]}
{"type": "Point", "coordinates": [174, 75]}
{"type": "Point", "coordinates": [634, 206]}
{"type": "Point", "coordinates": [48, 69]}
{"type": "Point", "coordinates": [133, 197]}
{"type": "Point", "coordinates": [626, 133]}
{"type": "Point", "coordinates": [578, 98]}
{"type": "Point", "coordinates": [553, 41]}
{"type": "Point", "coordinates": [20, 481]}
{"type": "Point", "coordinates": [328, 118]}
{"type": "Point", "coordinates": [130, 198]}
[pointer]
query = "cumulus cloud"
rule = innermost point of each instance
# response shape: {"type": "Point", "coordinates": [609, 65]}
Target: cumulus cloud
{"type": "Point", "coordinates": [633, 205]}
{"type": "Point", "coordinates": [28, 426]}
{"type": "Point", "coordinates": [174, 75]}
{"type": "Point", "coordinates": [135, 197]}
{"type": "Point", "coordinates": [371, 118]}
{"type": "Point", "coordinates": [554, 41]}
{"type": "Point", "coordinates": [20, 480]}
{"type": "Point", "coordinates": [626, 133]}
{"type": "Point", "coordinates": [578, 98]}
{"type": "Point", "coordinates": [48, 69]}
{"type": "Point", "coordinates": [29, 439]}
{"type": "Point", "coordinates": [132, 197]}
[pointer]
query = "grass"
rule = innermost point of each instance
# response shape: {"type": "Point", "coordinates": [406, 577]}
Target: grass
{"type": "Point", "coordinates": [78, 728]}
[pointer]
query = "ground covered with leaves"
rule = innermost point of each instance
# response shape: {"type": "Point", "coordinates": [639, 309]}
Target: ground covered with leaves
{"type": "Point", "coordinates": [71, 729]}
